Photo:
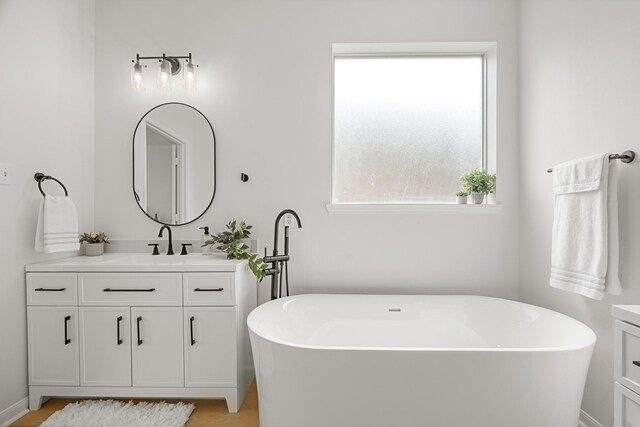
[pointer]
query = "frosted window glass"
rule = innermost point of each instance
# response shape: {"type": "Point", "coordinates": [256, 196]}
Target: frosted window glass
{"type": "Point", "coordinates": [406, 128]}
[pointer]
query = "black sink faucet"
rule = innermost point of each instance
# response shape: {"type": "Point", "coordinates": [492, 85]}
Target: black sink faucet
{"type": "Point", "coordinates": [170, 250]}
{"type": "Point", "coordinates": [276, 271]}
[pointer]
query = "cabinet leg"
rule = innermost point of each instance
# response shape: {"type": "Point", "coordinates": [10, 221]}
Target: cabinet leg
{"type": "Point", "coordinates": [232, 402]}
{"type": "Point", "coordinates": [35, 401]}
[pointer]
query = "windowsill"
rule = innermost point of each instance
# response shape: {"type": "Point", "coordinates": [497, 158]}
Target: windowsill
{"type": "Point", "coordinates": [417, 208]}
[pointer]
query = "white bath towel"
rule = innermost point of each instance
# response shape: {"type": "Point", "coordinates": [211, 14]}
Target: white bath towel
{"type": "Point", "coordinates": [57, 229]}
{"type": "Point", "coordinates": [584, 253]}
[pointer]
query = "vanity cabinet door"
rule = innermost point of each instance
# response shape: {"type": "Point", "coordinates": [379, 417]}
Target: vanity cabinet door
{"type": "Point", "coordinates": [157, 352]}
{"type": "Point", "coordinates": [210, 346]}
{"type": "Point", "coordinates": [105, 346]}
{"type": "Point", "coordinates": [53, 345]}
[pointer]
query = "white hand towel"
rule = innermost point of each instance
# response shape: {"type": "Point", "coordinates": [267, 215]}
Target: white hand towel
{"type": "Point", "coordinates": [584, 254]}
{"type": "Point", "coordinates": [57, 229]}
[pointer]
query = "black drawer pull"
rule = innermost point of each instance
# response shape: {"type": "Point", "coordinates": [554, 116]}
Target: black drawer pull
{"type": "Point", "coordinates": [636, 362]}
{"type": "Point", "coordinates": [138, 327]}
{"type": "Point", "coordinates": [191, 322]}
{"type": "Point", "coordinates": [208, 290]}
{"type": "Point", "coordinates": [118, 329]}
{"type": "Point", "coordinates": [128, 290]}
{"type": "Point", "coordinates": [66, 337]}
{"type": "Point", "coordinates": [50, 289]}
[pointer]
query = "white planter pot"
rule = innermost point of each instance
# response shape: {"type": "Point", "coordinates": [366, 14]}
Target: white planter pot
{"type": "Point", "coordinates": [476, 198]}
{"type": "Point", "coordinates": [461, 200]}
{"type": "Point", "coordinates": [93, 249]}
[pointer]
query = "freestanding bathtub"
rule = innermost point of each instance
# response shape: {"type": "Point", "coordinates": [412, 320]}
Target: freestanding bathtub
{"type": "Point", "coordinates": [417, 361]}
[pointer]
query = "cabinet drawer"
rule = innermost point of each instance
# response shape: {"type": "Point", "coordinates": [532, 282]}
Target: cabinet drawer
{"type": "Point", "coordinates": [52, 289]}
{"type": "Point", "coordinates": [626, 407]}
{"type": "Point", "coordinates": [123, 289]}
{"type": "Point", "coordinates": [209, 289]}
{"type": "Point", "coordinates": [627, 355]}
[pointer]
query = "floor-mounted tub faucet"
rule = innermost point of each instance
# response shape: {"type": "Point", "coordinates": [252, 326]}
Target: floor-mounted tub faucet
{"type": "Point", "coordinates": [166, 227]}
{"type": "Point", "coordinates": [279, 262]}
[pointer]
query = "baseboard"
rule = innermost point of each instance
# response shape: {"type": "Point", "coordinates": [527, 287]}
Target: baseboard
{"type": "Point", "coordinates": [13, 412]}
{"type": "Point", "coordinates": [587, 420]}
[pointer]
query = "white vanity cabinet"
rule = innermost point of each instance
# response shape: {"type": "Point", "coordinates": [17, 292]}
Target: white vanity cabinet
{"type": "Point", "coordinates": [53, 345]}
{"type": "Point", "coordinates": [106, 328]}
{"type": "Point", "coordinates": [105, 346]}
{"type": "Point", "coordinates": [627, 365]}
{"type": "Point", "coordinates": [210, 356]}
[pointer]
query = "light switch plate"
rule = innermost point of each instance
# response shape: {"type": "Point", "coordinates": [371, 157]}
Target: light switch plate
{"type": "Point", "coordinates": [5, 174]}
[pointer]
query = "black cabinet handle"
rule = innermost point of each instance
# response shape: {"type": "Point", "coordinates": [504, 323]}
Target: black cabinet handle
{"type": "Point", "coordinates": [636, 362]}
{"type": "Point", "coordinates": [191, 322]}
{"type": "Point", "coordinates": [128, 290]}
{"type": "Point", "coordinates": [208, 289]}
{"type": "Point", "coordinates": [138, 327]}
{"type": "Point", "coordinates": [50, 289]}
{"type": "Point", "coordinates": [118, 329]}
{"type": "Point", "coordinates": [66, 336]}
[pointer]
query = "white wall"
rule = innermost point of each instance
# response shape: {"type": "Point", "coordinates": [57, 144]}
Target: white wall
{"type": "Point", "coordinates": [579, 68]}
{"type": "Point", "coordinates": [47, 125]}
{"type": "Point", "coordinates": [265, 85]}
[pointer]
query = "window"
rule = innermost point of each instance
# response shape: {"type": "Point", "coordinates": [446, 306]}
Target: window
{"type": "Point", "coordinates": [406, 125]}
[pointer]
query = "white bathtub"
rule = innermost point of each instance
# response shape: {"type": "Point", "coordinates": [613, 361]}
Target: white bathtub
{"type": "Point", "coordinates": [409, 361]}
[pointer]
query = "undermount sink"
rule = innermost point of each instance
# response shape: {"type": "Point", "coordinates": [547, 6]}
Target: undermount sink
{"type": "Point", "coordinates": [155, 259]}
{"type": "Point", "coordinates": [139, 262]}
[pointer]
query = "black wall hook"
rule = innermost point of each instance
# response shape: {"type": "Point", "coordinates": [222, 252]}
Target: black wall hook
{"type": "Point", "coordinates": [244, 177]}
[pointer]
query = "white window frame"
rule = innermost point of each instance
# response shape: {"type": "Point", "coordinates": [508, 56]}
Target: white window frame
{"type": "Point", "coordinates": [488, 51]}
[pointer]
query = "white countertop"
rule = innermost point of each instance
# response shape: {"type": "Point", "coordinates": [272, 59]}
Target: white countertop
{"type": "Point", "coordinates": [628, 313]}
{"type": "Point", "coordinates": [139, 262]}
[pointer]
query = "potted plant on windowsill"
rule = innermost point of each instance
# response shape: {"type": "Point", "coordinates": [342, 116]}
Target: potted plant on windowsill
{"type": "Point", "coordinates": [491, 197]}
{"type": "Point", "coordinates": [94, 244]}
{"type": "Point", "coordinates": [461, 197]}
{"type": "Point", "coordinates": [477, 183]}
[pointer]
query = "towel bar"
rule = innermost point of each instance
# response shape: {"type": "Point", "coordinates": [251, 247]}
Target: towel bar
{"type": "Point", "coordinates": [625, 157]}
{"type": "Point", "coordinates": [40, 177]}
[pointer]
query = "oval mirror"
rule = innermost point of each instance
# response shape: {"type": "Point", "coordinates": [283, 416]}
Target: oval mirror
{"type": "Point", "coordinates": [174, 164]}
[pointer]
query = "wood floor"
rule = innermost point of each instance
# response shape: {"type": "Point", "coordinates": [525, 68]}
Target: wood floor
{"type": "Point", "coordinates": [209, 413]}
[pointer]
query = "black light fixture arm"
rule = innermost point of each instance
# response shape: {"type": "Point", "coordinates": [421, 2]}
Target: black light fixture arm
{"type": "Point", "coordinates": [163, 57]}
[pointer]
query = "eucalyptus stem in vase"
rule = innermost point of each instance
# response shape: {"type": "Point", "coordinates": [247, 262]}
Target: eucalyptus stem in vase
{"type": "Point", "coordinates": [230, 242]}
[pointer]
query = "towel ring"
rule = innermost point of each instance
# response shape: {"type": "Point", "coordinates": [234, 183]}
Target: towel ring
{"type": "Point", "coordinates": [40, 177]}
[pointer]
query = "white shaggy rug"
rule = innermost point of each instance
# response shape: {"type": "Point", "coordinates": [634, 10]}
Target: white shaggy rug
{"type": "Point", "coordinates": [113, 413]}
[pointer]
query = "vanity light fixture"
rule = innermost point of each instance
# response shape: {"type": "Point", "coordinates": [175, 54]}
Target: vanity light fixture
{"type": "Point", "coordinates": [169, 66]}
{"type": "Point", "coordinates": [136, 76]}
{"type": "Point", "coordinates": [164, 75]}
{"type": "Point", "coordinates": [190, 79]}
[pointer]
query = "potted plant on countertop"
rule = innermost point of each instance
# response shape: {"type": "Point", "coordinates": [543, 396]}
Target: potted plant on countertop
{"type": "Point", "coordinates": [94, 243]}
{"type": "Point", "coordinates": [461, 197]}
{"type": "Point", "coordinates": [230, 242]}
{"type": "Point", "coordinates": [477, 183]}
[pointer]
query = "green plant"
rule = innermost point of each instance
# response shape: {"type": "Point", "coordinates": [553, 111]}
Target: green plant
{"type": "Point", "coordinates": [91, 238]}
{"type": "Point", "coordinates": [493, 184]}
{"type": "Point", "coordinates": [462, 194]}
{"type": "Point", "coordinates": [478, 181]}
{"type": "Point", "coordinates": [230, 242]}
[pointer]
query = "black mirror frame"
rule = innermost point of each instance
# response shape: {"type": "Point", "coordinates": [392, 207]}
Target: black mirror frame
{"type": "Point", "coordinates": [133, 157]}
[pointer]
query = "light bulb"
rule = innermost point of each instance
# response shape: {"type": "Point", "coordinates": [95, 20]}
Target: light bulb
{"type": "Point", "coordinates": [136, 77]}
{"type": "Point", "coordinates": [164, 75]}
{"type": "Point", "coordinates": [190, 80]}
